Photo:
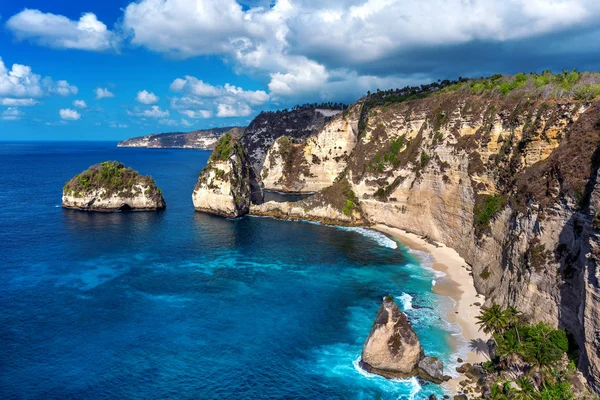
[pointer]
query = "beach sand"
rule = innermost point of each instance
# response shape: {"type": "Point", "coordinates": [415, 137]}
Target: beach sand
{"type": "Point", "coordinates": [458, 285]}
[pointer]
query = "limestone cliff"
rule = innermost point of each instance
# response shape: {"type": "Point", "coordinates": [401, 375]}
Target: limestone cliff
{"type": "Point", "coordinates": [199, 139]}
{"type": "Point", "coordinates": [227, 185]}
{"type": "Point", "coordinates": [314, 163]}
{"type": "Point", "coordinates": [502, 169]}
{"type": "Point", "coordinates": [298, 123]}
{"type": "Point", "coordinates": [109, 187]}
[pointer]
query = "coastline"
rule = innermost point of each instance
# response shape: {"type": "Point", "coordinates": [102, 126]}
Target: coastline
{"type": "Point", "coordinates": [458, 285]}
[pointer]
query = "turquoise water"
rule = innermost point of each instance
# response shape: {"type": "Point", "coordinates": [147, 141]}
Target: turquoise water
{"type": "Point", "coordinates": [185, 305]}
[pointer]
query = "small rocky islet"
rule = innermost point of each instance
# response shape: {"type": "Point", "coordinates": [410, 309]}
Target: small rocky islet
{"type": "Point", "coordinates": [111, 187]}
{"type": "Point", "coordinates": [392, 348]}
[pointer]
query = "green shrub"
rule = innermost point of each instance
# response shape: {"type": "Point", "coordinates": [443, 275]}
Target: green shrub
{"type": "Point", "coordinates": [486, 209]}
{"type": "Point", "coordinates": [485, 274]}
{"type": "Point", "coordinates": [223, 148]}
{"type": "Point", "coordinates": [587, 92]}
{"type": "Point", "coordinates": [424, 159]}
{"type": "Point", "coordinates": [113, 177]}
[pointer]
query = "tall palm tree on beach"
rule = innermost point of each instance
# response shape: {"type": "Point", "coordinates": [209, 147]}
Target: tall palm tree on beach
{"type": "Point", "coordinates": [492, 320]}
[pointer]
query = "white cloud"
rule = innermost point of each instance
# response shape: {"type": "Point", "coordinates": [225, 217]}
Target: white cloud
{"type": "Point", "coordinates": [80, 104]}
{"type": "Point", "coordinates": [12, 114]}
{"type": "Point", "coordinates": [306, 47]}
{"type": "Point", "coordinates": [69, 114]}
{"type": "Point", "coordinates": [60, 32]}
{"type": "Point", "coordinates": [20, 81]}
{"type": "Point", "coordinates": [63, 88]}
{"type": "Point", "coordinates": [203, 100]}
{"type": "Point", "coordinates": [118, 125]}
{"type": "Point", "coordinates": [197, 113]}
{"type": "Point", "coordinates": [238, 110]}
{"type": "Point", "coordinates": [185, 27]}
{"type": "Point", "coordinates": [152, 112]}
{"type": "Point", "coordinates": [196, 87]}
{"type": "Point", "coordinates": [103, 93]}
{"type": "Point", "coordinates": [146, 97]}
{"type": "Point", "coordinates": [172, 122]}
{"type": "Point", "coordinates": [18, 102]}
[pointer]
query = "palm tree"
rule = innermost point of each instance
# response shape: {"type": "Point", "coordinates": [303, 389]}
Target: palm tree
{"type": "Point", "coordinates": [527, 391]}
{"type": "Point", "coordinates": [508, 347]}
{"type": "Point", "coordinates": [492, 320]}
{"type": "Point", "coordinates": [513, 319]}
{"type": "Point", "coordinates": [497, 393]}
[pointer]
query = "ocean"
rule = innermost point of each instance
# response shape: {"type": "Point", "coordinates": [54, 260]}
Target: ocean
{"type": "Point", "coordinates": [185, 305]}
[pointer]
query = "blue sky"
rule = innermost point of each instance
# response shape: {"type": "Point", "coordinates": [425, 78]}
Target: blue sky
{"type": "Point", "coordinates": [116, 69]}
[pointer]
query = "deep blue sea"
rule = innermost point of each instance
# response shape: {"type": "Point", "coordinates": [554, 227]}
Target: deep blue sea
{"type": "Point", "coordinates": [183, 305]}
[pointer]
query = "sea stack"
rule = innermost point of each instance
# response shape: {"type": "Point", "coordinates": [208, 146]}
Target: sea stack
{"type": "Point", "coordinates": [228, 184]}
{"type": "Point", "coordinates": [392, 349]}
{"type": "Point", "coordinates": [111, 186]}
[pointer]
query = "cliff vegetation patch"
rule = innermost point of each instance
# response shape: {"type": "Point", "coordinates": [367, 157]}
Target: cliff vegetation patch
{"type": "Point", "coordinates": [486, 208]}
{"type": "Point", "coordinates": [112, 177]}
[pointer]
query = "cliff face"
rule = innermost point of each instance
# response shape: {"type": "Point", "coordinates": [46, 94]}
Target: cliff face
{"type": "Point", "coordinates": [225, 186]}
{"type": "Point", "coordinates": [269, 126]}
{"type": "Point", "coordinates": [314, 163]}
{"type": "Point", "coordinates": [110, 187]}
{"type": "Point", "coordinates": [509, 181]}
{"type": "Point", "coordinates": [200, 139]}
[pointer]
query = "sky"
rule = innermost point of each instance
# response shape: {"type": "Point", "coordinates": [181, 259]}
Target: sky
{"type": "Point", "coordinates": [110, 70]}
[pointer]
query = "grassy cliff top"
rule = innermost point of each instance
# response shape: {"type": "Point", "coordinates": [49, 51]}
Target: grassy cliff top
{"type": "Point", "coordinates": [546, 85]}
{"type": "Point", "coordinates": [114, 177]}
{"type": "Point", "coordinates": [225, 146]}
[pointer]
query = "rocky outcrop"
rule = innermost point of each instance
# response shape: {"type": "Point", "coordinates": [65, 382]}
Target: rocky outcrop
{"type": "Point", "coordinates": [431, 369]}
{"type": "Point", "coordinates": [336, 204]}
{"type": "Point", "coordinates": [312, 164]}
{"type": "Point", "coordinates": [199, 139]}
{"type": "Point", "coordinates": [110, 187]}
{"type": "Point", "coordinates": [296, 124]}
{"type": "Point", "coordinates": [508, 180]}
{"type": "Point", "coordinates": [392, 348]}
{"type": "Point", "coordinates": [227, 185]}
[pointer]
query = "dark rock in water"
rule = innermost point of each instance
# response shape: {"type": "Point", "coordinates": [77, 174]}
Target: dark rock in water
{"type": "Point", "coordinates": [432, 397]}
{"type": "Point", "coordinates": [447, 378]}
{"type": "Point", "coordinates": [392, 349]}
{"type": "Point", "coordinates": [460, 360]}
{"type": "Point", "coordinates": [432, 369]}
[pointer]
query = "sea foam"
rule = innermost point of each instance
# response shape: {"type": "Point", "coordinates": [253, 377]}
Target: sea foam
{"type": "Point", "coordinates": [380, 238]}
{"type": "Point", "coordinates": [406, 301]}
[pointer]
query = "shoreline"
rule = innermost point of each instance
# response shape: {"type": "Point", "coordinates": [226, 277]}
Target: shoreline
{"type": "Point", "coordinates": [456, 284]}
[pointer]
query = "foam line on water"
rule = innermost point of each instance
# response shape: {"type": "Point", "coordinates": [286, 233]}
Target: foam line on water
{"type": "Point", "coordinates": [406, 301]}
{"type": "Point", "coordinates": [380, 238]}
